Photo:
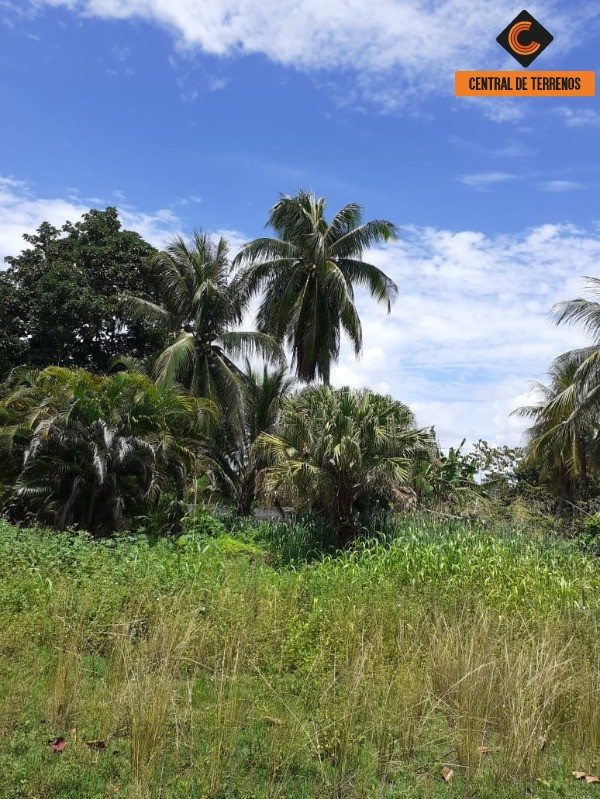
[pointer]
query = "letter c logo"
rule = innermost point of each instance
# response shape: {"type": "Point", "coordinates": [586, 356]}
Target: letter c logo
{"type": "Point", "coordinates": [513, 39]}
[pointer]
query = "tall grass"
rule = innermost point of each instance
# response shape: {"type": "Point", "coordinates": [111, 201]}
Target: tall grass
{"type": "Point", "coordinates": [210, 672]}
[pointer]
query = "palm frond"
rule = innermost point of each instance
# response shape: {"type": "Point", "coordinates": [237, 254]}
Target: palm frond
{"type": "Point", "coordinates": [367, 235]}
{"type": "Point", "coordinates": [176, 362]}
{"type": "Point", "coordinates": [141, 310]}
{"type": "Point", "coordinates": [254, 344]}
{"type": "Point", "coordinates": [381, 287]}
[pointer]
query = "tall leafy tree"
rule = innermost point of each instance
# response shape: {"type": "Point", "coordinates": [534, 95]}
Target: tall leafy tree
{"type": "Point", "coordinates": [13, 340]}
{"type": "Point", "coordinates": [339, 451]}
{"type": "Point", "coordinates": [200, 308]}
{"type": "Point", "coordinates": [63, 292]}
{"type": "Point", "coordinates": [308, 275]}
{"type": "Point", "coordinates": [91, 450]}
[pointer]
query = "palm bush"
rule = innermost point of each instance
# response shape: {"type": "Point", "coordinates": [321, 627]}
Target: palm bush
{"type": "Point", "coordinates": [308, 274]}
{"type": "Point", "coordinates": [234, 459]}
{"type": "Point", "coordinates": [92, 450]}
{"type": "Point", "coordinates": [341, 452]}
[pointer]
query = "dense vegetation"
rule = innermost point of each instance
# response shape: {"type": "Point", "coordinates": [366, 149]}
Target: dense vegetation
{"type": "Point", "coordinates": [94, 297]}
{"type": "Point", "coordinates": [201, 668]}
{"type": "Point", "coordinates": [414, 623]}
{"type": "Point", "coordinates": [183, 414]}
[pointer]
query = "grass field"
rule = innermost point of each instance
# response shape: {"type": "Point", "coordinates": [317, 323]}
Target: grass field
{"type": "Point", "coordinates": [206, 668]}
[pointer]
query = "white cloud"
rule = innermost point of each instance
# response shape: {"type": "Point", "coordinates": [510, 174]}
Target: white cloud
{"type": "Point", "coordinates": [579, 117]}
{"type": "Point", "coordinates": [217, 84]}
{"type": "Point", "coordinates": [561, 185]}
{"type": "Point", "coordinates": [483, 180]}
{"type": "Point", "coordinates": [398, 50]}
{"type": "Point", "coordinates": [22, 212]}
{"type": "Point", "coordinates": [501, 109]}
{"type": "Point", "coordinates": [235, 238]}
{"type": "Point", "coordinates": [121, 54]}
{"type": "Point", "coordinates": [155, 227]}
{"type": "Point", "coordinates": [514, 150]}
{"type": "Point", "coordinates": [471, 327]}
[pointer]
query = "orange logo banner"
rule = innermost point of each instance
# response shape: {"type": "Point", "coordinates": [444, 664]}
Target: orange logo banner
{"type": "Point", "coordinates": [549, 83]}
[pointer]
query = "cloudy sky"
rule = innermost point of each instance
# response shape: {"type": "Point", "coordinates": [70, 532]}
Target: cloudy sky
{"type": "Point", "coordinates": [197, 113]}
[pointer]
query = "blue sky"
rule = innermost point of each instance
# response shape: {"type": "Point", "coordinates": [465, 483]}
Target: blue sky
{"type": "Point", "coordinates": [188, 113]}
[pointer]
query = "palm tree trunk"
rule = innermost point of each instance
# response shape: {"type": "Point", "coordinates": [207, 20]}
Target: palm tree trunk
{"type": "Point", "coordinates": [560, 503]}
{"type": "Point", "coordinates": [346, 533]}
{"type": "Point", "coordinates": [344, 520]}
{"type": "Point", "coordinates": [583, 474]}
{"type": "Point", "coordinates": [90, 514]}
{"type": "Point", "coordinates": [247, 493]}
{"type": "Point", "coordinates": [177, 515]}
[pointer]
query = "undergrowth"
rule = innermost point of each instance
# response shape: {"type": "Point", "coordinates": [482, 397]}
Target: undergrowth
{"type": "Point", "coordinates": [245, 663]}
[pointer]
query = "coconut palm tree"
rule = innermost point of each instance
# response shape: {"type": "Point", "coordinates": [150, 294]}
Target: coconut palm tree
{"type": "Point", "coordinates": [233, 457]}
{"type": "Point", "coordinates": [585, 314]}
{"type": "Point", "coordinates": [94, 449]}
{"type": "Point", "coordinates": [201, 307]}
{"type": "Point", "coordinates": [341, 450]}
{"type": "Point", "coordinates": [308, 275]}
{"type": "Point", "coordinates": [563, 436]}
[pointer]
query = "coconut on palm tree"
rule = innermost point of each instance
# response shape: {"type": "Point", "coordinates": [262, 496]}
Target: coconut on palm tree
{"type": "Point", "coordinates": [308, 274]}
{"type": "Point", "coordinates": [201, 308]}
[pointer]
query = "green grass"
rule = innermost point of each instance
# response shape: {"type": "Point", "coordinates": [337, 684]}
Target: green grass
{"type": "Point", "coordinates": [222, 668]}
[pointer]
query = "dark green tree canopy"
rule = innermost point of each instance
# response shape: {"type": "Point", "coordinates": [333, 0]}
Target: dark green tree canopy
{"type": "Point", "coordinates": [61, 295]}
{"type": "Point", "coordinates": [13, 342]}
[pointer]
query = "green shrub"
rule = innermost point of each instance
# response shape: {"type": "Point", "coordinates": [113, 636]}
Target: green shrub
{"type": "Point", "coordinates": [202, 523]}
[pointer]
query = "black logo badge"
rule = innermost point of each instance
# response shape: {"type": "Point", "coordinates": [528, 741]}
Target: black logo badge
{"type": "Point", "coordinates": [525, 38]}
